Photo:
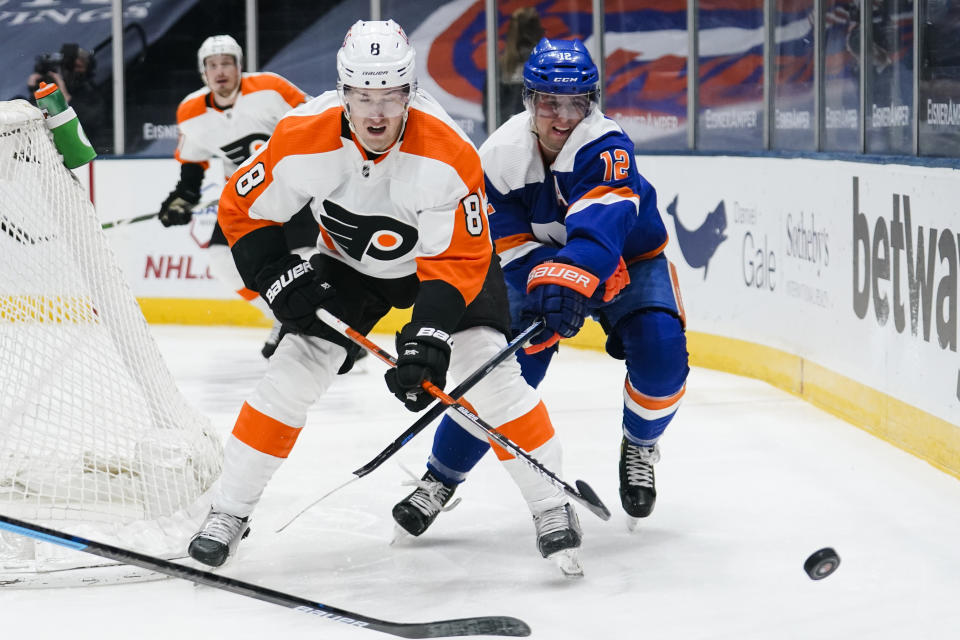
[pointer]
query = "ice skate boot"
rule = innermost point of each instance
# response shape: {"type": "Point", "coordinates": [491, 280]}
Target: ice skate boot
{"type": "Point", "coordinates": [218, 538]}
{"type": "Point", "coordinates": [273, 340]}
{"type": "Point", "coordinates": [638, 489]}
{"type": "Point", "coordinates": [559, 537]}
{"type": "Point", "coordinates": [418, 510]}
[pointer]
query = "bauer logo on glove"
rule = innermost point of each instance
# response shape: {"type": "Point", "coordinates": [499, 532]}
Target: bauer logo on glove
{"type": "Point", "coordinates": [285, 279]}
{"type": "Point", "coordinates": [562, 274]}
{"type": "Point", "coordinates": [430, 332]}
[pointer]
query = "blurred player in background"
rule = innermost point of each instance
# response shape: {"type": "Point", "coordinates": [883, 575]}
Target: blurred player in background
{"type": "Point", "coordinates": [579, 234]}
{"type": "Point", "coordinates": [230, 118]}
{"type": "Point", "coordinates": [398, 190]}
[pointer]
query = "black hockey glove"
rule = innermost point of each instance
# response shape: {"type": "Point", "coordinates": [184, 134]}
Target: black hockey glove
{"type": "Point", "coordinates": [294, 292]}
{"type": "Point", "coordinates": [423, 353]}
{"type": "Point", "coordinates": [177, 209]}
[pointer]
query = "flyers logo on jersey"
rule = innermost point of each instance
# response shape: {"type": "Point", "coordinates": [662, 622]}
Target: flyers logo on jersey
{"type": "Point", "coordinates": [380, 237]}
{"type": "Point", "coordinates": [239, 150]}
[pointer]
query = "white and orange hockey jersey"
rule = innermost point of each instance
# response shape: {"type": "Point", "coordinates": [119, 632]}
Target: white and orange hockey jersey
{"type": "Point", "coordinates": [419, 207]}
{"type": "Point", "coordinates": [235, 133]}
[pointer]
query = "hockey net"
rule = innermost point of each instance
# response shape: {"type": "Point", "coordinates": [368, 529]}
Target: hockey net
{"type": "Point", "coordinates": [95, 438]}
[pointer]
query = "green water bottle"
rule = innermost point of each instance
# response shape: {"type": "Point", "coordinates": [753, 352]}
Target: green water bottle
{"type": "Point", "coordinates": [68, 135]}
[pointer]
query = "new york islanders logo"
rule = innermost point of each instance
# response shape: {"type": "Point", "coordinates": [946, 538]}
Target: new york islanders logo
{"type": "Point", "coordinates": [380, 237]}
{"type": "Point", "coordinates": [698, 245]}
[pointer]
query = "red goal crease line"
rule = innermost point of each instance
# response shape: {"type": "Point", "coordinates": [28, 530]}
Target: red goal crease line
{"type": "Point", "coordinates": [28, 309]}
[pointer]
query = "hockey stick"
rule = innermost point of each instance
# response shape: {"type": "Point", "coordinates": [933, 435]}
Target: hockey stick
{"type": "Point", "coordinates": [18, 234]}
{"type": "Point", "coordinates": [124, 221]}
{"type": "Point", "coordinates": [483, 625]}
{"type": "Point", "coordinates": [431, 414]}
{"type": "Point", "coordinates": [583, 493]}
{"type": "Point", "coordinates": [149, 216]}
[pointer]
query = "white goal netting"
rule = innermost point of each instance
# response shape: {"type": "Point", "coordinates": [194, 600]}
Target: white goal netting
{"type": "Point", "coordinates": [95, 438]}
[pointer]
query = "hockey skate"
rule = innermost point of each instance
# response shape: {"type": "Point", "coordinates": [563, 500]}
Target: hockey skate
{"type": "Point", "coordinates": [638, 490]}
{"type": "Point", "coordinates": [415, 513]}
{"type": "Point", "coordinates": [559, 537]}
{"type": "Point", "coordinates": [218, 538]}
{"type": "Point", "coordinates": [273, 340]}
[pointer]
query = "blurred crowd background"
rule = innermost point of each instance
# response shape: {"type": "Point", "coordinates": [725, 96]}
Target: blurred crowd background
{"type": "Point", "coordinates": [737, 76]}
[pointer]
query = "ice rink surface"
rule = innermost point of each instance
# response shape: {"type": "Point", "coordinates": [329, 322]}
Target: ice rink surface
{"type": "Point", "coordinates": [752, 480]}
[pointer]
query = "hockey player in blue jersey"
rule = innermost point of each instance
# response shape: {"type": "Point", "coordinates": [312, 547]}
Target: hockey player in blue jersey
{"type": "Point", "coordinates": [579, 234]}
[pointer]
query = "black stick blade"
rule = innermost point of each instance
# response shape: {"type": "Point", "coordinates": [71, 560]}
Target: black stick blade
{"type": "Point", "coordinates": [483, 626]}
{"type": "Point", "coordinates": [592, 501]}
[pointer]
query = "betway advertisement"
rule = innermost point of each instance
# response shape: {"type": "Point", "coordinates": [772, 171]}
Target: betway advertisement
{"type": "Point", "coordinates": [851, 266]}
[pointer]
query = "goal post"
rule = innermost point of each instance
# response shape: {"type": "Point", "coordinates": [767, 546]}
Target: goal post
{"type": "Point", "coordinates": [95, 437]}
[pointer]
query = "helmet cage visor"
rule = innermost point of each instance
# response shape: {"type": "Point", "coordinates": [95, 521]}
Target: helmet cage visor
{"type": "Point", "coordinates": [361, 102]}
{"type": "Point", "coordinates": [576, 106]}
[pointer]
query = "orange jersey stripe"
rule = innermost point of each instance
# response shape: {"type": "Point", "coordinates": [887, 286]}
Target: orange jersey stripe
{"type": "Point", "coordinates": [192, 107]}
{"type": "Point", "coordinates": [650, 402]}
{"type": "Point", "coordinates": [510, 242]}
{"type": "Point", "coordinates": [465, 263]}
{"type": "Point", "coordinates": [649, 254]}
{"type": "Point", "coordinates": [176, 154]}
{"type": "Point", "coordinates": [268, 81]}
{"type": "Point", "coordinates": [676, 294]}
{"type": "Point", "coordinates": [528, 432]}
{"type": "Point", "coordinates": [294, 135]}
{"type": "Point", "coordinates": [263, 433]}
{"type": "Point", "coordinates": [247, 294]}
{"type": "Point", "coordinates": [602, 190]}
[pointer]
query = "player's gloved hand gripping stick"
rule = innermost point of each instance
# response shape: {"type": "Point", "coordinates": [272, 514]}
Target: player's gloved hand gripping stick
{"type": "Point", "coordinates": [562, 294]}
{"type": "Point", "coordinates": [583, 493]}
{"type": "Point", "coordinates": [150, 216]}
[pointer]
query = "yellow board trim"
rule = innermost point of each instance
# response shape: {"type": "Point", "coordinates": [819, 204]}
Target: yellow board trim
{"type": "Point", "coordinates": [902, 425]}
{"type": "Point", "coordinates": [196, 311]}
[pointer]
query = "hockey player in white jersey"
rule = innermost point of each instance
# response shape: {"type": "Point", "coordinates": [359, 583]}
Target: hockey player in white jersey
{"type": "Point", "coordinates": [229, 118]}
{"type": "Point", "coordinates": [567, 200]}
{"type": "Point", "coordinates": [398, 191]}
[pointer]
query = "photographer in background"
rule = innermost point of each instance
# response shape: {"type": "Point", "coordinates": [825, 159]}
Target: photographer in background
{"type": "Point", "coordinates": [72, 70]}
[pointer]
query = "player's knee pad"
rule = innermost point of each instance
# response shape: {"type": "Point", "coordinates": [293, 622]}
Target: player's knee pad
{"type": "Point", "coordinates": [655, 347]}
{"type": "Point", "coordinates": [502, 395]}
{"type": "Point", "coordinates": [298, 373]}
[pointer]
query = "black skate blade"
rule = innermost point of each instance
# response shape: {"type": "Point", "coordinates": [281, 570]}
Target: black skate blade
{"type": "Point", "coordinates": [589, 498]}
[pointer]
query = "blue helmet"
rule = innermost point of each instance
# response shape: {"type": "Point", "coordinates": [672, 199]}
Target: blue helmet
{"type": "Point", "coordinates": [560, 66]}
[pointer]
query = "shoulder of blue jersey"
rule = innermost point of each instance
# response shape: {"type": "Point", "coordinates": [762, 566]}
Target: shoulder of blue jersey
{"type": "Point", "coordinates": [597, 132]}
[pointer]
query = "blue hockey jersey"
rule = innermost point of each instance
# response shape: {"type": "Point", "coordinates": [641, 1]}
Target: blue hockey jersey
{"type": "Point", "coordinates": [590, 207]}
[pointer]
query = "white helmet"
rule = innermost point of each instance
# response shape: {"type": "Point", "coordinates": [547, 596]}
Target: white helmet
{"type": "Point", "coordinates": [217, 45]}
{"type": "Point", "coordinates": [376, 55]}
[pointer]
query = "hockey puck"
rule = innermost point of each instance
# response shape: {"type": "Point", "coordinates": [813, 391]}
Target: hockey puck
{"type": "Point", "coordinates": [821, 563]}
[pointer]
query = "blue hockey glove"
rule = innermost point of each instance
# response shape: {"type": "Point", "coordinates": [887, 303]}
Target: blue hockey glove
{"type": "Point", "coordinates": [560, 294]}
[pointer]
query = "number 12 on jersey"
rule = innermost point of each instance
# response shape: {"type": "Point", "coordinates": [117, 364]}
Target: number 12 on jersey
{"type": "Point", "coordinates": [616, 167]}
